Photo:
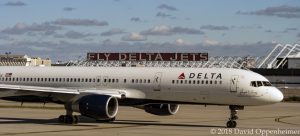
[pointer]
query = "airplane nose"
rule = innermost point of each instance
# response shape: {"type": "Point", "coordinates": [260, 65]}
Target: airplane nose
{"type": "Point", "coordinates": [276, 95]}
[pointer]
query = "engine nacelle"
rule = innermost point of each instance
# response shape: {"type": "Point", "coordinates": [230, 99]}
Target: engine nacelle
{"type": "Point", "coordinates": [162, 109]}
{"type": "Point", "coordinates": [97, 106]}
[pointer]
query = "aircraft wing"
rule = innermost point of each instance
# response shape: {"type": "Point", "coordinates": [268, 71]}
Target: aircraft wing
{"type": "Point", "coordinates": [6, 87]}
{"type": "Point", "coordinates": [15, 90]}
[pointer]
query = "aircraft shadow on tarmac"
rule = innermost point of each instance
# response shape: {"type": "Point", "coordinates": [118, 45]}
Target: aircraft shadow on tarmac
{"type": "Point", "coordinates": [9, 120]}
{"type": "Point", "coordinates": [146, 123]}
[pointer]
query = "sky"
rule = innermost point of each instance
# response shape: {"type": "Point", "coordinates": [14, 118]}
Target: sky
{"type": "Point", "coordinates": [67, 30]}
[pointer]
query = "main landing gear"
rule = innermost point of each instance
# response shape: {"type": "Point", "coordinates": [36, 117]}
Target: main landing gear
{"type": "Point", "coordinates": [69, 118]}
{"type": "Point", "coordinates": [233, 111]}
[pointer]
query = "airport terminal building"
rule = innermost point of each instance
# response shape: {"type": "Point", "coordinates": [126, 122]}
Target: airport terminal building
{"type": "Point", "coordinates": [23, 60]}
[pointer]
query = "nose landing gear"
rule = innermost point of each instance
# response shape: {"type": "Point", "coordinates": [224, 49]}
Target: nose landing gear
{"type": "Point", "coordinates": [233, 111]}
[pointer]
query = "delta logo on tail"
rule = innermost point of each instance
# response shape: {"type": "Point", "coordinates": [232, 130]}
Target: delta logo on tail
{"type": "Point", "coordinates": [181, 76]}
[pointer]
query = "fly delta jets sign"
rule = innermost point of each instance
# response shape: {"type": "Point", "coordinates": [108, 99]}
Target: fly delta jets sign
{"type": "Point", "coordinates": [148, 56]}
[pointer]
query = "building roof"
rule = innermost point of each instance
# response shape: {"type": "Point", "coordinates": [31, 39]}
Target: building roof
{"type": "Point", "coordinates": [297, 55]}
{"type": "Point", "coordinates": [13, 56]}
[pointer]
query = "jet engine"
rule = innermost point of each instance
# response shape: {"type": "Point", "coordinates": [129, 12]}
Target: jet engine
{"type": "Point", "coordinates": [162, 109]}
{"type": "Point", "coordinates": [98, 107]}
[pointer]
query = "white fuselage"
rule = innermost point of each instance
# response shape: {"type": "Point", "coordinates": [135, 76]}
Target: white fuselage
{"type": "Point", "coordinates": [182, 85]}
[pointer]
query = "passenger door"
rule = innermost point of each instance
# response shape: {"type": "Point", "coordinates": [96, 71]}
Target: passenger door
{"type": "Point", "coordinates": [234, 83]}
{"type": "Point", "coordinates": [157, 81]}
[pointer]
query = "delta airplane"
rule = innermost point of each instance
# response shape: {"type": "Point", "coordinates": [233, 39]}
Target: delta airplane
{"type": "Point", "coordinates": [96, 92]}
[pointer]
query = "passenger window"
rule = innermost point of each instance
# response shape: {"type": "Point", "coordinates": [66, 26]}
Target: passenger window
{"type": "Point", "coordinates": [132, 80]}
{"type": "Point", "coordinates": [259, 83]}
{"type": "Point", "coordinates": [190, 81]}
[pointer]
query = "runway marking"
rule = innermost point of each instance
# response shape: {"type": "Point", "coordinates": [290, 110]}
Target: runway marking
{"type": "Point", "coordinates": [278, 119]}
{"type": "Point", "coordinates": [72, 130]}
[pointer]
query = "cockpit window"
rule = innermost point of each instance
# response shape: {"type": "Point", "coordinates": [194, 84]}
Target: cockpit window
{"type": "Point", "coordinates": [260, 83]}
{"type": "Point", "coordinates": [267, 83]}
{"type": "Point", "coordinates": [253, 83]}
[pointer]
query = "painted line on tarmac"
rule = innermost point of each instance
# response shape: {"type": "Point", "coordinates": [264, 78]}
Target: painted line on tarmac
{"type": "Point", "coordinates": [279, 119]}
{"type": "Point", "coordinates": [72, 130]}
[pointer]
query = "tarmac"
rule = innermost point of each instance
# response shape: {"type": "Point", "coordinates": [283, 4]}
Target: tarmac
{"type": "Point", "coordinates": [191, 120]}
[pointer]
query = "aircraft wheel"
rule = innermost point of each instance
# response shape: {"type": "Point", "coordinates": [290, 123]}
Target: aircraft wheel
{"type": "Point", "coordinates": [61, 119]}
{"type": "Point", "coordinates": [231, 124]}
{"type": "Point", "coordinates": [76, 119]}
{"type": "Point", "coordinates": [69, 119]}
